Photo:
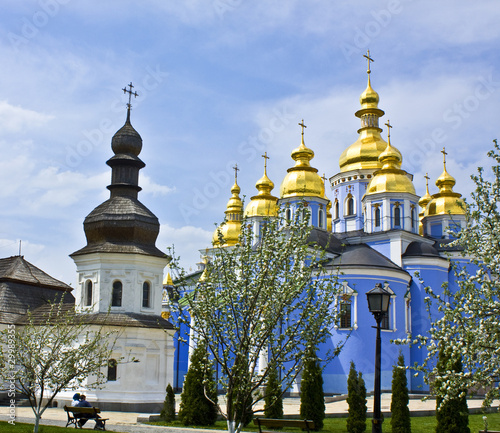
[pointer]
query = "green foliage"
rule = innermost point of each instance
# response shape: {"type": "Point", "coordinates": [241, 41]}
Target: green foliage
{"type": "Point", "coordinates": [400, 419]}
{"type": "Point", "coordinates": [312, 400]}
{"type": "Point", "coordinates": [273, 395]}
{"type": "Point", "coordinates": [168, 411]}
{"type": "Point", "coordinates": [245, 296]}
{"type": "Point", "coordinates": [452, 413]}
{"type": "Point", "coordinates": [356, 399]}
{"type": "Point", "coordinates": [199, 394]}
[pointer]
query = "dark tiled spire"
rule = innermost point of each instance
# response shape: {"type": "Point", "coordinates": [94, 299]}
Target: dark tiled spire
{"type": "Point", "coordinates": [122, 224]}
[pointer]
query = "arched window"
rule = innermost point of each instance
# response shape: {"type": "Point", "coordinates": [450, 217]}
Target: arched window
{"type": "Point", "coordinates": [397, 216]}
{"type": "Point", "coordinates": [88, 293]}
{"type": "Point", "coordinates": [112, 366]}
{"type": "Point", "coordinates": [377, 217]}
{"type": "Point", "coordinates": [320, 218]}
{"type": "Point", "coordinates": [337, 213]}
{"type": "Point", "coordinates": [350, 205]}
{"type": "Point", "coordinates": [288, 214]}
{"type": "Point", "coordinates": [116, 295]}
{"type": "Point", "coordinates": [306, 215]}
{"type": "Point", "coordinates": [146, 294]}
{"type": "Point", "coordinates": [413, 217]}
{"type": "Point", "coordinates": [345, 312]}
{"type": "Point", "coordinates": [384, 324]}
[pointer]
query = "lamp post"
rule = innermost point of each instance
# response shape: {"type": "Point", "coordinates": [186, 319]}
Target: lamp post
{"type": "Point", "coordinates": [378, 304]}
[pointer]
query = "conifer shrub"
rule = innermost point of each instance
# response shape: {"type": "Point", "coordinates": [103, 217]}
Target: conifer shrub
{"type": "Point", "coordinates": [356, 399]}
{"type": "Point", "coordinates": [195, 407]}
{"type": "Point", "coordinates": [168, 411]}
{"type": "Point", "coordinates": [273, 395]}
{"type": "Point", "coordinates": [312, 400]}
{"type": "Point", "coordinates": [452, 415]}
{"type": "Point", "coordinates": [400, 420]}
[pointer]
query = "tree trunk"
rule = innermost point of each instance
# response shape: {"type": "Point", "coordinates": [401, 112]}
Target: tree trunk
{"type": "Point", "coordinates": [231, 426]}
{"type": "Point", "coordinates": [37, 423]}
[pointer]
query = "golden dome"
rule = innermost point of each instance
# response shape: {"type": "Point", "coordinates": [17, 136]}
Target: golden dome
{"type": "Point", "coordinates": [364, 152]}
{"type": "Point", "coordinates": [167, 281]}
{"type": "Point", "coordinates": [264, 204]}
{"type": "Point", "coordinates": [446, 201]}
{"type": "Point", "coordinates": [204, 274]}
{"type": "Point", "coordinates": [328, 207]}
{"type": "Point", "coordinates": [426, 198]}
{"type": "Point", "coordinates": [423, 202]}
{"type": "Point", "coordinates": [302, 179]}
{"type": "Point", "coordinates": [390, 178]}
{"type": "Point", "coordinates": [230, 229]}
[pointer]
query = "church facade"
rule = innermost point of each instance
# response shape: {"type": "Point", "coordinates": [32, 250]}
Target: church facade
{"type": "Point", "coordinates": [382, 232]}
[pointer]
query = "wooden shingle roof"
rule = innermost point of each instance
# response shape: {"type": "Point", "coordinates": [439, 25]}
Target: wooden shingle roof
{"type": "Point", "coordinates": [25, 287]}
{"type": "Point", "coordinates": [17, 269]}
{"type": "Point", "coordinates": [133, 320]}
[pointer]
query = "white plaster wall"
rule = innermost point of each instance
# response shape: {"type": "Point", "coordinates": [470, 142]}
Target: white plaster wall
{"type": "Point", "coordinates": [131, 269]}
{"type": "Point", "coordinates": [137, 382]}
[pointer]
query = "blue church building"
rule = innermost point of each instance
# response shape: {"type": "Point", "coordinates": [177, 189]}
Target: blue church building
{"type": "Point", "coordinates": [381, 231]}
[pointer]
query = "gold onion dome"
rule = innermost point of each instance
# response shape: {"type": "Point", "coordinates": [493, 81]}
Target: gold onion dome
{"type": "Point", "coordinates": [426, 198]}
{"type": "Point", "coordinates": [364, 152]}
{"type": "Point", "coordinates": [446, 201]}
{"type": "Point", "coordinates": [167, 281]}
{"type": "Point", "coordinates": [264, 204]}
{"type": "Point", "coordinates": [302, 179]}
{"type": "Point", "coordinates": [390, 178]}
{"type": "Point", "coordinates": [230, 229]}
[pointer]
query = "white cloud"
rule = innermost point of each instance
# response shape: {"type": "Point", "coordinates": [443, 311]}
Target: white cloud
{"type": "Point", "coordinates": [15, 119]}
{"type": "Point", "coordinates": [187, 242]}
{"type": "Point", "coordinates": [153, 188]}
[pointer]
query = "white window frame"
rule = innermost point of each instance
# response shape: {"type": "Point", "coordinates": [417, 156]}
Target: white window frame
{"type": "Point", "coordinates": [346, 290]}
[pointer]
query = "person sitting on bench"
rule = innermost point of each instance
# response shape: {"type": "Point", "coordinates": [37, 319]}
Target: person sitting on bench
{"type": "Point", "coordinates": [84, 417]}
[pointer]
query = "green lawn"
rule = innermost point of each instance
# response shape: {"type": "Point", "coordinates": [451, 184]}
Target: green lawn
{"type": "Point", "coordinates": [424, 424]}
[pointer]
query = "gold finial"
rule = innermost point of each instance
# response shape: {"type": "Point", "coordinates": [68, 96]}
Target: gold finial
{"type": "Point", "coordinates": [265, 162]}
{"type": "Point", "coordinates": [389, 126]}
{"type": "Point", "coordinates": [236, 170]}
{"type": "Point", "coordinates": [324, 178]}
{"type": "Point", "coordinates": [369, 59]}
{"type": "Point", "coordinates": [130, 93]}
{"type": "Point", "coordinates": [301, 124]}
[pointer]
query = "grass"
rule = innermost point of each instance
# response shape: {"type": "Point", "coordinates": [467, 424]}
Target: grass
{"type": "Point", "coordinates": [421, 424]}
{"type": "Point", "coordinates": [424, 424]}
{"type": "Point", "coordinates": [5, 427]}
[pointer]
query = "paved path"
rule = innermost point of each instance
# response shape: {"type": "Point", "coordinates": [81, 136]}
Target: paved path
{"type": "Point", "coordinates": [128, 421]}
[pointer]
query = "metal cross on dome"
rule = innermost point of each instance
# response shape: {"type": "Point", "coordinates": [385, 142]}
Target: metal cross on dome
{"type": "Point", "coordinates": [444, 155]}
{"type": "Point", "coordinates": [265, 161]}
{"type": "Point", "coordinates": [236, 170]}
{"type": "Point", "coordinates": [367, 57]}
{"type": "Point", "coordinates": [302, 125]}
{"type": "Point", "coordinates": [389, 126]}
{"type": "Point", "coordinates": [130, 93]}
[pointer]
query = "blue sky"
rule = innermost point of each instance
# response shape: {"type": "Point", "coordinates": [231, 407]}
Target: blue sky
{"type": "Point", "coordinates": [220, 82]}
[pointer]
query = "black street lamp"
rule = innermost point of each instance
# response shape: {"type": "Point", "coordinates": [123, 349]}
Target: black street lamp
{"type": "Point", "coordinates": [378, 304]}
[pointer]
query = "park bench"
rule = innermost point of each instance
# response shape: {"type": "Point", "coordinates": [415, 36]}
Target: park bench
{"type": "Point", "coordinates": [303, 424]}
{"type": "Point", "coordinates": [76, 413]}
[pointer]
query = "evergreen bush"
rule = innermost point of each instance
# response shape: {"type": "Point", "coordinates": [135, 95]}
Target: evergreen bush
{"type": "Point", "coordinates": [452, 415]}
{"type": "Point", "coordinates": [312, 400]}
{"type": "Point", "coordinates": [168, 411]}
{"type": "Point", "coordinates": [273, 395]}
{"type": "Point", "coordinates": [400, 420]}
{"type": "Point", "coordinates": [195, 408]}
{"type": "Point", "coordinates": [356, 399]}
